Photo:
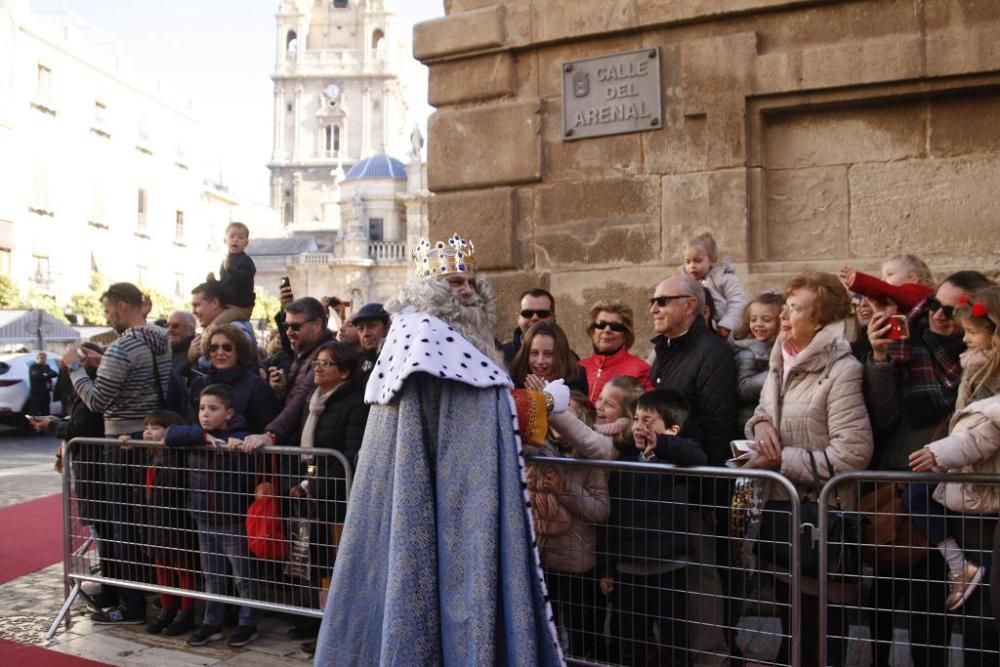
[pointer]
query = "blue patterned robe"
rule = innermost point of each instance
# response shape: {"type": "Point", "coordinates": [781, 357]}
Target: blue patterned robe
{"type": "Point", "coordinates": [437, 564]}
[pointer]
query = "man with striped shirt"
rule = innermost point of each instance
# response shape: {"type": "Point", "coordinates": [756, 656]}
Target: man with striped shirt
{"type": "Point", "coordinates": [131, 382]}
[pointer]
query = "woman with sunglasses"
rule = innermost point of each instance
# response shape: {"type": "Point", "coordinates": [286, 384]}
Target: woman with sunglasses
{"type": "Point", "coordinates": [229, 353]}
{"type": "Point", "coordinates": [612, 334]}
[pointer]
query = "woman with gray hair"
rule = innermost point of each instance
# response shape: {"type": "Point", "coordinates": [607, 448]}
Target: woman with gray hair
{"type": "Point", "coordinates": [612, 332]}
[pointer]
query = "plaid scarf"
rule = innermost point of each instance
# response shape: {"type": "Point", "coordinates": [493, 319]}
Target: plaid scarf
{"type": "Point", "coordinates": [934, 373]}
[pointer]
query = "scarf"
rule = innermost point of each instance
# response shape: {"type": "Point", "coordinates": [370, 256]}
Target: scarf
{"type": "Point", "coordinates": [935, 371]}
{"type": "Point", "coordinates": [617, 427]}
{"type": "Point", "coordinates": [317, 403]}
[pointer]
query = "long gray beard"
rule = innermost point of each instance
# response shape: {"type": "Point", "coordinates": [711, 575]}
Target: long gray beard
{"type": "Point", "coordinates": [474, 321]}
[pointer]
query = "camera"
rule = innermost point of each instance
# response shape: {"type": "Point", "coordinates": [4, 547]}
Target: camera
{"type": "Point", "coordinates": [899, 328]}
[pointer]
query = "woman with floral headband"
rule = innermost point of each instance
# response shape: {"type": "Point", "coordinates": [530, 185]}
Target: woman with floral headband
{"type": "Point", "coordinates": [972, 446]}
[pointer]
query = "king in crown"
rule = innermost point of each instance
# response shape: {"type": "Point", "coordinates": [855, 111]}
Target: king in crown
{"type": "Point", "coordinates": [456, 255]}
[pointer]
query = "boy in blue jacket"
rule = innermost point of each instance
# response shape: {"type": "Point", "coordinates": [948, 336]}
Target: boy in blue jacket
{"type": "Point", "coordinates": [648, 534]}
{"type": "Point", "coordinates": [221, 479]}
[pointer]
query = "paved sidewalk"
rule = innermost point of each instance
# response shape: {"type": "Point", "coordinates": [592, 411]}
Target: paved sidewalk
{"type": "Point", "coordinates": [29, 604]}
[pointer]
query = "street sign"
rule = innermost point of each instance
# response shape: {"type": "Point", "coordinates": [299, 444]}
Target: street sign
{"type": "Point", "coordinates": [612, 95]}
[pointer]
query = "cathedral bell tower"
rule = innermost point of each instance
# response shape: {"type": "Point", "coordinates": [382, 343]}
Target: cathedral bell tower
{"type": "Point", "coordinates": [337, 99]}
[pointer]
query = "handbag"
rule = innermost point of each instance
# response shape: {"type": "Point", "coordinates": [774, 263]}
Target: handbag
{"type": "Point", "coordinates": [891, 540]}
{"type": "Point", "coordinates": [843, 536]}
{"type": "Point", "coordinates": [265, 531]}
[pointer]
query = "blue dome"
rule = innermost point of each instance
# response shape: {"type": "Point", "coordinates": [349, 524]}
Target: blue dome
{"type": "Point", "coordinates": [377, 166]}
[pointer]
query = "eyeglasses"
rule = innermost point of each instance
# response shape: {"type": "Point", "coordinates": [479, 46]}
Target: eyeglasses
{"type": "Point", "coordinates": [662, 301]}
{"type": "Point", "coordinates": [225, 347]}
{"type": "Point", "coordinates": [295, 326]}
{"type": "Point", "coordinates": [933, 305]}
{"type": "Point", "coordinates": [617, 327]}
{"type": "Point", "coordinates": [527, 314]}
{"type": "Point", "coordinates": [322, 363]}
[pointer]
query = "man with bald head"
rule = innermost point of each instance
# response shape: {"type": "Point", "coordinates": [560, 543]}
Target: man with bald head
{"type": "Point", "coordinates": [180, 331]}
{"type": "Point", "coordinates": [694, 361]}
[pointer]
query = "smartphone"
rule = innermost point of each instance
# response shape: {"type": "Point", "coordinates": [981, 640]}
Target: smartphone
{"type": "Point", "coordinates": [899, 328]}
{"type": "Point", "coordinates": [30, 417]}
{"type": "Point", "coordinates": [285, 282]}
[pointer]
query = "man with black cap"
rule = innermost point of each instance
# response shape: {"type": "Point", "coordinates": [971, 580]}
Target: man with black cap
{"type": "Point", "coordinates": [372, 323]}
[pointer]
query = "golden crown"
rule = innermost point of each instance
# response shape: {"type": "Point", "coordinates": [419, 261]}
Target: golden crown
{"type": "Point", "coordinates": [456, 255]}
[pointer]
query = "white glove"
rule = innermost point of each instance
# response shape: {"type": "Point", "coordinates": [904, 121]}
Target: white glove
{"type": "Point", "coordinates": [560, 395]}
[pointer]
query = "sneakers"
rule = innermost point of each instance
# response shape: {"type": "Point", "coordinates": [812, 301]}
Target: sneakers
{"type": "Point", "coordinates": [242, 635]}
{"type": "Point", "coordinates": [205, 634]}
{"type": "Point", "coordinates": [117, 616]}
{"type": "Point", "coordinates": [962, 584]}
{"type": "Point", "coordinates": [183, 623]}
{"type": "Point", "coordinates": [163, 619]}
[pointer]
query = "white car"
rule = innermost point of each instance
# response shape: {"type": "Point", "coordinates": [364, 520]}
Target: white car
{"type": "Point", "coordinates": [14, 387]}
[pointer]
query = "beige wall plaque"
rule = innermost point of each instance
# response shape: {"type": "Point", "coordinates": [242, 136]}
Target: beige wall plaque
{"type": "Point", "coordinates": [611, 95]}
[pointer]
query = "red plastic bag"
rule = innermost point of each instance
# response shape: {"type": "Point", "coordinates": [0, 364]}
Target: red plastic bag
{"type": "Point", "coordinates": [265, 530]}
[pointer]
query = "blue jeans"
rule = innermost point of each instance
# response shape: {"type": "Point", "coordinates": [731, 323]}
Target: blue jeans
{"type": "Point", "coordinates": [927, 513]}
{"type": "Point", "coordinates": [221, 544]}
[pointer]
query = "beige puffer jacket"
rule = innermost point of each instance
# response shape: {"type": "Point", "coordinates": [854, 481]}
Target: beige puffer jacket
{"type": "Point", "coordinates": [972, 447]}
{"type": "Point", "coordinates": [819, 407]}
{"type": "Point", "coordinates": [585, 495]}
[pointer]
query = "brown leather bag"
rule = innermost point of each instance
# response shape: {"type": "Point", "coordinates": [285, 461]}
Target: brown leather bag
{"type": "Point", "coordinates": [891, 539]}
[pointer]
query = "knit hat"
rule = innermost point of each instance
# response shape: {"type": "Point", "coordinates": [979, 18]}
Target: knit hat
{"type": "Point", "coordinates": [907, 296]}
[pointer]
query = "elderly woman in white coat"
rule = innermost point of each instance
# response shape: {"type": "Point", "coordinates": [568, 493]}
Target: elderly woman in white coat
{"type": "Point", "coordinates": [812, 408]}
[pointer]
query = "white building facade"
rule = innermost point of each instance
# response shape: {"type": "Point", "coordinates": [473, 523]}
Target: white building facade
{"type": "Point", "coordinates": [98, 170]}
{"type": "Point", "coordinates": [347, 207]}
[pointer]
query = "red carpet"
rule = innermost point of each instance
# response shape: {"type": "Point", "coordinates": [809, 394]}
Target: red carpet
{"type": "Point", "coordinates": [32, 538]}
{"type": "Point", "coordinates": [36, 656]}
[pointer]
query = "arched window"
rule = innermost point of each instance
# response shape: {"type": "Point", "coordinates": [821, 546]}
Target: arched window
{"type": "Point", "coordinates": [340, 4]}
{"type": "Point", "coordinates": [291, 44]}
{"type": "Point", "coordinates": [378, 44]}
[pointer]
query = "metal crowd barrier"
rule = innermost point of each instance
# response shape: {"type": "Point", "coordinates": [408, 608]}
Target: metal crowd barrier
{"type": "Point", "coordinates": [684, 589]}
{"type": "Point", "coordinates": [158, 520]}
{"type": "Point", "coordinates": [897, 613]}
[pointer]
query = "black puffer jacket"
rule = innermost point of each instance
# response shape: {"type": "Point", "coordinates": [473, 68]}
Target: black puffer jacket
{"type": "Point", "coordinates": [700, 366]}
{"type": "Point", "coordinates": [341, 426]}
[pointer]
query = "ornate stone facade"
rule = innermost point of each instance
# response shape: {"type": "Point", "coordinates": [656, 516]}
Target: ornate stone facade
{"type": "Point", "coordinates": [804, 134]}
{"type": "Point", "coordinates": [347, 207]}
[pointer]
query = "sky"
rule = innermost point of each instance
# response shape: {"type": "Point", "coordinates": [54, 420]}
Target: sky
{"type": "Point", "coordinates": [220, 53]}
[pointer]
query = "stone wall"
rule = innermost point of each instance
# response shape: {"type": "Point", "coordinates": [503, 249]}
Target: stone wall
{"type": "Point", "coordinates": [803, 134]}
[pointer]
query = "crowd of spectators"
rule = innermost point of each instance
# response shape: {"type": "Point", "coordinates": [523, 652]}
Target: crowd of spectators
{"type": "Point", "coordinates": [829, 374]}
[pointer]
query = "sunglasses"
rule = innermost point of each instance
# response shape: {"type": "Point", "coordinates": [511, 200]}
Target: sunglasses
{"type": "Point", "coordinates": [933, 305]}
{"type": "Point", "coordinates": [617, 327]}
{"type": "Point", "coordinates": [662, 301]}
{"type": "Point", "coordinates": [322, 363]}
{"type": "Point", "coordinates": [542, 314]}
{"type": "Point", "coordinates": [295, 326]}
{"type": "Point", "coordinates": [225, 347]}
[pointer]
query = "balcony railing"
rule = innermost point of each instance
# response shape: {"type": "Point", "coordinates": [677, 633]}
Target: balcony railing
{"type": "Point", "coordinates": [390, 251]}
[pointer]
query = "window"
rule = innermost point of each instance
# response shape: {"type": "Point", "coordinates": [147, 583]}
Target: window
{"type": "Point", "coordinates": [99, 125]}
{"type": "Point", "coordinates": [5, 261]}
{"type": "Point", "coordinates": [340, 4]}
{"type": "Point", "coordinates": [179, 227]}
{"type": "Point", "coordinates": [42, 276]}
{"type": "Point", "coordinates": [140, 223]}
{"type": "Point", "coordinates": [40, 192]}
{"type": "Point", "coordinates": [289, 213]}
{"type": "Point", "coordinates": [378, 45]}
{"type": "Point", "coordinates": [291, 45]}
{"type": "Point", "coordinates": [375, 229]}
{"type": "Point", "coordinates": [331, 141]}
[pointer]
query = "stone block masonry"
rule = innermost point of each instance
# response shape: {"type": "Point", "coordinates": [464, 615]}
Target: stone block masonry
{"type": "Point", "coordinates": [802, 133]}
